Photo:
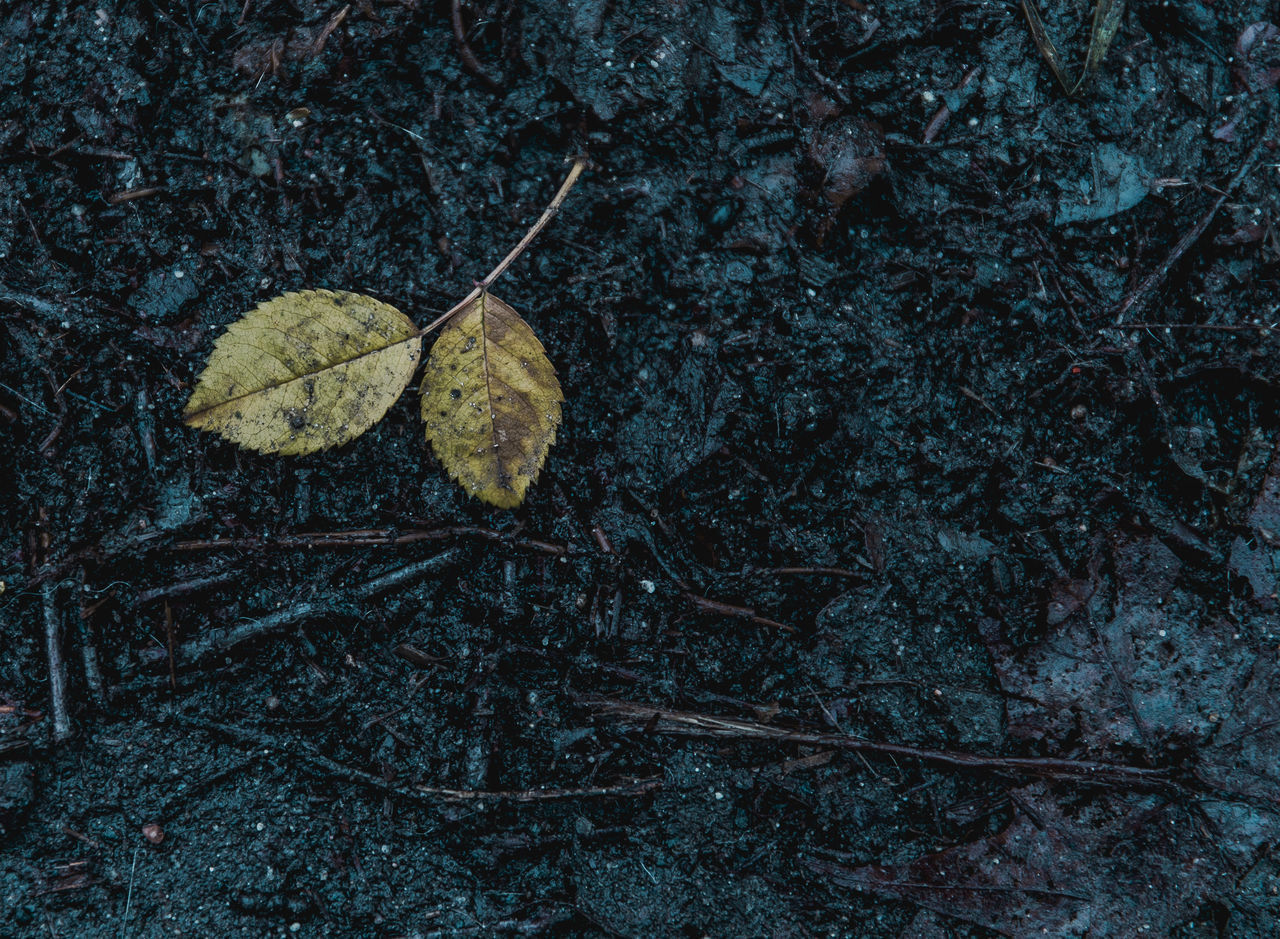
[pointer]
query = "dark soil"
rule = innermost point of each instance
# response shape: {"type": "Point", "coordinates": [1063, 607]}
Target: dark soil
{"type": "Point", "coordinates": [947, 430]}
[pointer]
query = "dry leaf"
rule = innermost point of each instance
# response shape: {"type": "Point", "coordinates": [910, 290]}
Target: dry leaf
{"type": "Point", "coordinates": [491, 401]}
{"type": "Point", "coordinates": [305, 371]}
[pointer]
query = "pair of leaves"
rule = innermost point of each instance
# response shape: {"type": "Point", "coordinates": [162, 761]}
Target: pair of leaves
{"type": "Point", "coordinates": [312, 370]}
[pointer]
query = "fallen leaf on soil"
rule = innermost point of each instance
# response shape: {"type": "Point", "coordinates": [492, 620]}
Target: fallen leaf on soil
{"type": "Point", "coordinates": [1143, 664]}
{"type": "Point", "coordinates": [1115, 182]}
{"type": "Point", "coordinates": [848, 154]}
{"type": "Point", "coordinates": [1100, 866]}
{"type": "Point", "coordinates": [267, 57]}
{"type": "Point", "coordinates": [1257, 558]}
{"type": "Point", "coordinates": [305, 371]}
{"type": "Point", "coordinates": [491, 401]}
{"type": "Point", "coordinates": [1257, 64]}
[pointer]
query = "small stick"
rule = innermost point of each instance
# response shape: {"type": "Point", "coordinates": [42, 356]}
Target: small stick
{"type": "Point", "coordinates": [579, 165]}
{"type": "Point", "coordinates": [740, 612]}
{"type": "Point", "coordinates": [943, 114]}
{"type": "Point", "coordinates": [89, 652]}
{"type": "Point", "coordinates": [216, 641]}
{"type": "Point", "coordinates": [168, 646]}
{"type": "Point", "coordinates": [1157, 276]}
{"type": "Point", "coordinates": [1213, 327]}
{"type": "Point", "coordinates": [57, 668]}
{"type": "Point", "coordinates": [657, 720]}
{"type": "Point", "coordinates": [367, 537]}
{"type": "Point", "coordinates": [128, 900]}
{"type": "Point", "coordinates": [827, 571]}
{"type": "Point", "coordinates": [128, 195]}
{"type": "Point", "coordinates": [429, 795]}
{"type": "Point", "coordinates": [182, 588]}
{"type": "Point", "coordinates": [468, 57]}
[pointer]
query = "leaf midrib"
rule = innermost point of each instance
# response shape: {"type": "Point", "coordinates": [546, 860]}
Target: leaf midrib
{"type": "Point", "coordinates": [194, 415]}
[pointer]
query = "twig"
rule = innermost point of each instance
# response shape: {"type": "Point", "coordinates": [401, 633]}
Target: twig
{"type": "Point", "coordinates": [579, 165]}
{"type": "Point", "coordinates": [1106, 22]}
{"type": "Point", "coordinates": [468, 57]}
{"type": "Point", "coordinates": [943, 114]}
{"type": "Point", "coordinates": [1213, 327]}
{"type": "Point", "coordinates": [366, 537]}
{"type": "Point", "coordinates": [29, 301]}
{"type": "Point", "coordinates": [57, 668]}
{"type": "Point", "coordinates": [656, 720]}
{"type": "Point", "coordinates": [88, 651]}
{"type": "Point", "coordinates": [168, 646]}
{"type": "Point", "coordinates": [92, 670]}
{"type": "Point", "coordinates": [216, 641]}
{"type": "Point", "coordinates": [128, 195]}
{"type": "Point", "coordinates": [1156, 277]}
{"type": "Point", "coordinates": [707, 605]}
{"type": "Point", "coordinates": [849, 878]}
{"type": "Point", "coordinates": [182, 588]}
{"type": "Point", "coordinates": [799, 571]}
{"type": "Point", "coordinates": [427, 795]}
{"type": "Point", "coordinates": [128, 899]}
{"type": "Point", "coordinates": [318, 44]}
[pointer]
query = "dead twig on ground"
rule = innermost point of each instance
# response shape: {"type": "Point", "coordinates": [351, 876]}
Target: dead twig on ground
{"type": "Point", "coordinates": [943, 114]}
{"type": "Point", "coordinates": [217, 641]}
{"type": "Point", "coordinates": [425, 795]}
{"type": "Point", "coordinates": [468, 57]}
{"type": "Point", "coordinates": [57, 668]}
{"type": "Point", "coordinates": [738, 612]}
{"type": "Point", "coordinates": [371, 537]}
{"type": "Point", "coordinates": [684, 723]}
{"type": "Point", "coordinates": [799, 572]}
{"type": "Point", "coordinates": [1140, 294]}
{"type": "Point", "coordinates": [89, 652]}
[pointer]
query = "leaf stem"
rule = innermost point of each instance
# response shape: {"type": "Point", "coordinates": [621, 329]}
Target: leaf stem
{"type": "Point", "coordinates": [579, 165]}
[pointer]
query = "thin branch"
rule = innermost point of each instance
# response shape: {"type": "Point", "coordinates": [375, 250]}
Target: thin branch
{"type": "Point", "coordinates": [465, 53]}
{"type": "Point", "coordinates": [365, 537]}
{"type": "Point", "coordinates": [684, 723]}
{"type": "Point", "coordinates": [57, 668]}
{"type": "Point", "coordinates": [579, 165]}
{"type": "Point", "coordinates": [707, 605]}
{"type": "Point", "coordinates": [89, 652]}
{"type": "Point", "coordinates": [1140, 293]}
{"type": "Point", "coordinates": [428, 795]}
{"type": "Point", "coordinates": [849, 878]}
{"type": "Point", "coordinates": [221, 640]}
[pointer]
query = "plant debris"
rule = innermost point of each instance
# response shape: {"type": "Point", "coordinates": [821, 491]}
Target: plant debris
{"type": "Point", "coordinates": [490, 401]}
{"type": "Point", "coordinates": [305, 372]}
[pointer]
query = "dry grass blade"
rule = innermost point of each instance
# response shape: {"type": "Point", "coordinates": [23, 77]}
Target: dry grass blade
{"type": "Point", "coordinates": [491, 401]}
{"type": "Point", "coordinates": [305, 371]}
{"type": "Point", "coordinates": [1106, 23]}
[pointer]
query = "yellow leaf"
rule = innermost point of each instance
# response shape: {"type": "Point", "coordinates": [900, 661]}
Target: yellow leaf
{"type": "Point", "coordinates": [305, 371]}
{"type": "Point", "coordinates": [491, 401]}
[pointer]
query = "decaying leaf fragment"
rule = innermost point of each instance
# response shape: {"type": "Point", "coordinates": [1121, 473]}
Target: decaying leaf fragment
{"type": "Point", "coordinates": [305, 371]}
{"type": "Point", "coordinates": [491, 401]}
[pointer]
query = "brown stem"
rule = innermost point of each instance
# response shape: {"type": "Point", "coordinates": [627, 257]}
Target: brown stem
{"type": "Point", "coordinates": [218, 641]}
{"type": "Point", "coordinates": [579, 165]}
{"type": "Point", "coordinates": [318, 763]}
{"type": "Point", "coordinates": [469, 60]}
{"type": "Point", "coordinates": [657, 720]}
{"type": "Point", "coordinates": [355, 538]}
{"type": "Point", "coordinates": [1139, 294]}
{"type": "Point", "coordinates": [57, 670]}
